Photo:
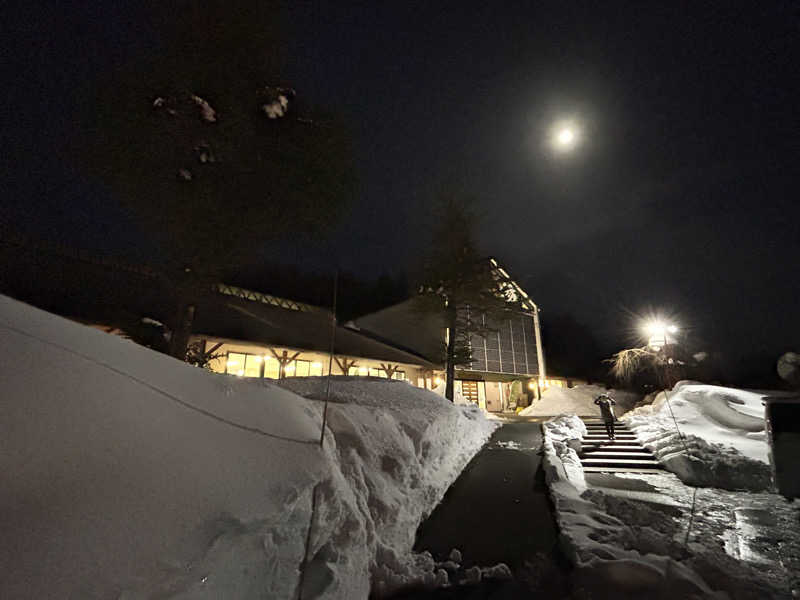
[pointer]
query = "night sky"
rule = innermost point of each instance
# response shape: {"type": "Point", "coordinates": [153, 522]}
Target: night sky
{"type": "Point", "coordinates": [681, 197]}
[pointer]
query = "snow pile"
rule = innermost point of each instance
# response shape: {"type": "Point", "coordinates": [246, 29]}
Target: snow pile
{"type": "Point", "coordinates": [409, 445]}
{"type": "Point", "coordinates": [128, 474]}
{"type": "Point", "coordinates": [578, 400]}
{"type": "Point", "coordinates": [724, 433]}
{"type": "Point", "coordinates": [607, 553]}
{"type": "Point", "coordinates": [562, 442]}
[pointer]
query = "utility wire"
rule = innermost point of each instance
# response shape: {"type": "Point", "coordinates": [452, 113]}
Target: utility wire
{"type": "Point", "coordinates": [686, 451]}
{"type": "Point", "coordinates": [330, 359]}
{"type": "Point", "coordinates": [159, 391]}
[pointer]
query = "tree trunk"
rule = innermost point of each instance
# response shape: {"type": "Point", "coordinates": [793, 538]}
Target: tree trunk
{"type": "Point", "coordinates": [451, 352]}
{"type": "Point", "coordinates": [182, 331]}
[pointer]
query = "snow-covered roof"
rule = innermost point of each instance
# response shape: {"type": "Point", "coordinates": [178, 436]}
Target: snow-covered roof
{"type": "Point", "coordinates": [235, 318]}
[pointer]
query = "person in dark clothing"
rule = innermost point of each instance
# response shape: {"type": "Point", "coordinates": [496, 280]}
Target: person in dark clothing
{"type": "Point", "coordinates": [606, 404]}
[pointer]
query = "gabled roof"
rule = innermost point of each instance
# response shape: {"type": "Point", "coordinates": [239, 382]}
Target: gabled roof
{"type": "Point", "coordinates": [404, 325]}
{"type": "Point", "coordinates": [237, 317]}
{"type": "Point", "coordinates": [511, 287]}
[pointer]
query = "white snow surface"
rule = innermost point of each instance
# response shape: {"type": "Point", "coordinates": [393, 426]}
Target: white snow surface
{"type": "Point", "coordinates": [128, 474]}
{"type": "Point", "coordinates": [724, 432]}
{"type": "Point", "coordinates": [578, 400]}
{"type": "Point", "coordinates": [586, 530]}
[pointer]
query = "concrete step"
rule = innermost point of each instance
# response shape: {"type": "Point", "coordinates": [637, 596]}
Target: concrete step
{"type": "Point", "coordinates": [592, 437]}
{"type": "Point", "coordinates": [623, 450]}
{"type": "Point", "coordinates": [615, 455]}
{"type": "Point", "coordinates": [617, 443]}
{"type": "Point", "coordinates": [587, 469]}
{"type": "Point", "coordinates": [619, 462]}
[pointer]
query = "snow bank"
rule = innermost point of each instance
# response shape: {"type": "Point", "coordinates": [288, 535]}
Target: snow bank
{"type": "Point", "coordinates": [589, 535]}
{"type": "Point", "coordinates": [128, 474]}
{"type": "Point", "coordinates": [724, 432]}
{"type": "Point", "coordinates": [578, 400]}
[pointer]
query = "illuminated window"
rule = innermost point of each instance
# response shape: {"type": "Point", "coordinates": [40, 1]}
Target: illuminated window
{"type": "Point", "coordinates": [352, 371]}
{"type": "Point", "coordinates": [252, 365]}
{"type": "Point", "coordinates": [399, 375]}
{"type": "Point", "coordinates": [244, 365]}
{"type": "Point", "coordinates": [272, 368]}
{"type": "Point", "coordinates": [302, 368]}
{"type": "Point", "coordinates": [373, 372]}
{"type": "Point", "coordinates": [234, 365]}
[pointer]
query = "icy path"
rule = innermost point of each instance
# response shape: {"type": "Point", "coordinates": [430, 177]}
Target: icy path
{"type": "Point", "coordinates": [497, 511]}
{"type": "Point", "coordinates": [746, 543]}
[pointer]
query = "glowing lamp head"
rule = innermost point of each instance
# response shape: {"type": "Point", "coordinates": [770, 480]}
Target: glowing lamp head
{"type": "Point", "coordinates": [655, 328]}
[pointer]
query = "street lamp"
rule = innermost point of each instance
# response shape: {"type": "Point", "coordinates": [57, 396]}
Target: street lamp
{"type": "Point", "coordinates": [659, 333]}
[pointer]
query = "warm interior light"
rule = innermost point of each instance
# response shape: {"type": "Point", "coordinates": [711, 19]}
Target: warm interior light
{"type": "Point", "coordinates": [289, 368]}
{"type": "Point", "coordinates": [317, 365]}
{"type": "Point", "coordinates": [257, 359]}
{"type": "Point", "coordinates": [266, 358]}
{"type": "Point", "coordinates": [240, 372]}
{"type": "Point", "coordinates": [437, 381]}
{"type": "Point", "coordinates": [233, 363]}
{"type": "Point", "coordinates": [532, 385]}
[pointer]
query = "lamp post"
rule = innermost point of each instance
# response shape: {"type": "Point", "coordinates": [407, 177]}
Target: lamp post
{"type": "Point", "coordinates": [661, 334]}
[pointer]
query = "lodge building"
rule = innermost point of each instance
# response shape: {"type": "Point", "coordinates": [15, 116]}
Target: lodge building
{"type": "Point", "coordinates": [264, 336]}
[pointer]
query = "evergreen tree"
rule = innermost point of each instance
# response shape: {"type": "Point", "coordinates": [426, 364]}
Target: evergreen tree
{"type": "Point", "coordinates": [460, 286]}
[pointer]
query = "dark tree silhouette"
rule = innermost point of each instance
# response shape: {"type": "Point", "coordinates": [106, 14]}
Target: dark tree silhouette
{"type": "Point", "coordinates": [211, 154]}
{"type": "Point", "coordinates": [459, 285]}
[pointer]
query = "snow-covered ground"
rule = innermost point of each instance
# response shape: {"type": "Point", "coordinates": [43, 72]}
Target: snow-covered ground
{"type": "Point", "coordinates": [128, 474]}
{"type": "Point", "coordinates": [627, 531]}
{"type": "Point", "coordinates": [578, 400]}
{"type": "Point", "coordinates": [724, 433]}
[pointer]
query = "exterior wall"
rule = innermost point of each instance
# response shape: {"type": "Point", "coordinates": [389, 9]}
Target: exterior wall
{"type": "Point", "coordinates": [510, 350]}
{"type": "Point", "coordinates": [262, 362]}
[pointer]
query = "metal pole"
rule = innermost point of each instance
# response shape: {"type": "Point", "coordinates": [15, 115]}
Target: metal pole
{"type": "Point", "coordinates": [330, 359]}
{"type": "Point", "coordinates": [539, 350]}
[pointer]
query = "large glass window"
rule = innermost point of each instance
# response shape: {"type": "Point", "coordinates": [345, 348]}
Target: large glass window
{"type": "Point", "coordinates": [374, 372]}
{"type": "Point", "coordinates": [303, 368]}
{"type": "Point", "coordinates": [257, 365]}
{"type": "Point", "coordinates": [244, 365]}
{"type": "Point", "coordinates": [272, 367]}
{"type": "Point", "coordinates": [234, 365]}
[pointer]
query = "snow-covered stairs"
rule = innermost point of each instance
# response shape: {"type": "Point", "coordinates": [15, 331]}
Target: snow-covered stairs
{"type": "Point", "coordinates": [625, 453]}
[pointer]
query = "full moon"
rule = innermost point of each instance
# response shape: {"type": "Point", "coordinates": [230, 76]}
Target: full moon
{"type": "Point", "coordinates": [566, 137]}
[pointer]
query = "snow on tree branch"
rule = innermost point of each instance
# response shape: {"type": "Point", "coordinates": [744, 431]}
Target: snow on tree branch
{"type": "Point", "coordinates": [207, 113]}
{"type": "Point", "coordinates": [275, 103]}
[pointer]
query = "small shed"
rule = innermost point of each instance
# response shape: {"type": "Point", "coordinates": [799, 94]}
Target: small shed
{"type": "Point", "coordinates": [782, 416]}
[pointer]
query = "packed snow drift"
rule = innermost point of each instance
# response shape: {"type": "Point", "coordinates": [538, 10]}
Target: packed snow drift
{"type": "Point", "coordinates": [578, 400]}
{"type": "Point", "coordinates": [128, 474]}
{"type": "Point", "coordinates": [589, 534]}
{"type": "Point", "coordinates": [627, 533]}
{"type": "Point", "coordinates": [724, 433]}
